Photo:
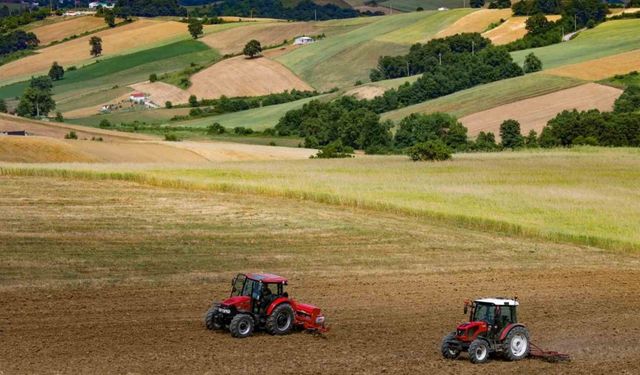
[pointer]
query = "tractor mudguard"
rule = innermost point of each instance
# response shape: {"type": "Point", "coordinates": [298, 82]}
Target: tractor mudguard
{"type": "Point", "coordinates": [508, 328]}
{"type": "Point", "coordinates": [278, 301]}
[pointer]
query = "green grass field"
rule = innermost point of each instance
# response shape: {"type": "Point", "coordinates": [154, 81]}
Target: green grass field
{"type": "Point", "coordinates": [487, 96]}
{"type": "Point", "coordinates": [343, 59]}
{"type": "Point", "coordinates": [149, 116]}
{"type": "Point", "coordinates": [123, 70]}
{"type": "Point", "coordinates": [582, 195]}
{"type": "Point", "coordinates": [412, 5]}
{"type": "Point", "coordinates": [606, 39]}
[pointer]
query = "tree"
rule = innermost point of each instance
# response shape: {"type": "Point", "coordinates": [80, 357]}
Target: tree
{"type": "Point", "coordinates": [531, 141]}
{"type": "Point", "coordinates": [56, 72]}
{"type": "Point", "coordinates": [109, 17]}
{"type": "Point", "coordinates": [629, 101]}
{"type": "Point", "coordinates": [37, 99]}
{"type": "Point", "coordinates": [168, 104]}
{"type": "Point", "coordinates": [532, 63]}
{"type": "Point", "coordinates": [510, 134]}
{"type": "Point", "coordinates": [485, 142]}
{"type": "Point", "coordinates": [193, 101]}
{"type": "Point", "coordinates": [477, 3]}
{"type": "Point", "coordinates": [96, 46]}
{"type": "Point", "coordinates": [430, 150]}
{"type": "Point", "coordinates": [252, 49]}
{"type": "Point", "coordinates": [195, 27]}
{"type": "Point", "coordinates": [153, 77]}
{"type": "Point", "coordinates": [3, 106]}
{"type": "Point", "coordinates": [59, 117]}
{"type": "Point", "coordinates": [537, 24]}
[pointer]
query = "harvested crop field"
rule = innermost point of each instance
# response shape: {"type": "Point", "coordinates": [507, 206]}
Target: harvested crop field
{"type": "Point", "coordinates": [244, 77]}
{"type": "Point", "coordinates": [601, 68]}
{"type": "Point", "coordinates": [511, 30]}
{"type": "Point", "coordinates": [534, 113]}
{"type": "Point", "coordinates": [223, 151]}
{"type": "Point", "coordinates": [71, 26]}
{"type": "Point", "coordinates": [233, 40]}
{"type": "Point", "coordinates": [139, 34]}
{"type": "Point", "coordinates": [129, 271]}
{"type": "Point", "coordinates": [475, 22]}
{"type": "Point", "coordinates": [161, 92]}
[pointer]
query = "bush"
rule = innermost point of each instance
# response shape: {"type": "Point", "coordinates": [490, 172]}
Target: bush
{"type": "Point", "coordinates": [215, 128]}
{"type": "Point", "coordinates": [168, 105]}
{"type": "Point", "coordinates": [193, 101]}
{"type": "Point", "coordinates": [59, 117]}
{"type": "Point", "coordinates": [240, 130]}
{"type": "Point", "coordinates": [511, 135]}
{"type": "Point", "coordinates": [532, 64]}
{"type": "Point", "coordinates": [71, 135]}
{"type": "Point", "coordinates": [105, 123]}
{"type": "Point", "coordinates": [153, 77]}
{"type": "Point", "coordinates": [430, 150]}
{"type": "Point", "coordinates": [334, 150]}
{"type": "Point", "coordinates": [171, 137]}
{"type": "Point", "coordinates": [585, 141]}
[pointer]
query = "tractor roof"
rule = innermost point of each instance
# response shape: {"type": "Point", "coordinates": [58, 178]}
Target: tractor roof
{"type": "Point", "coordinates": [266, 278]}
{"type": "Point", "coordinates": [498, 301]}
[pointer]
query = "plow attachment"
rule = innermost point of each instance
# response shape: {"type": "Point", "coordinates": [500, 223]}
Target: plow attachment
{"type": "Point", "coordinates": [549, 356]}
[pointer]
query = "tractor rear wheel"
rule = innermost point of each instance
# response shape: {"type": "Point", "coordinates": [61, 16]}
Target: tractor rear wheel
{"type": "Point", "coordinates": [447, 350]}
{"type": "Point", "coordinates": [241, 326]}
{"type": "Point", "coordinates": [209, 320]}
{"type": "Point", "coordinates": [479, 351]}
{"type": "Point", "coordinates": [280, 322]}
{"type": "Point", "coordinates": [516, 344]}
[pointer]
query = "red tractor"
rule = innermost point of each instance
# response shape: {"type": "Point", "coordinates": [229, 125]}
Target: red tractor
{"type": "Point", "coordinates": [492, 328]}
{"type": "Point", "coordinates": [259, 301]}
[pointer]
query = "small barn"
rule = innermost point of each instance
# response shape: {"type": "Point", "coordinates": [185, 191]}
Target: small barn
{"type": "Point", "coordinates": [303, 40]}
{"type": "Point", "coordinates": [138, 97]}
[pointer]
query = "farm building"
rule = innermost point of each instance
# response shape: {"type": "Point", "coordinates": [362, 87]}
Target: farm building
{"type": "Point", "coordinates": [138, 97]}
{"type": "Point", "coordinates": [303, 40]}
{"type": "Point", "coordinates": [96, 4]}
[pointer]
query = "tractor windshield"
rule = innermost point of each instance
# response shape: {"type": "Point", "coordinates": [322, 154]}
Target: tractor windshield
{"type": "Point", "coordinates": [484, 312]}
{"type": "Point", "coordinates": [238, 285]}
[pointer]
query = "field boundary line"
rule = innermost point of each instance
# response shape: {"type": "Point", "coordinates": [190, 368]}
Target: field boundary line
{"type": "Point", "coordinates": [461, 221]}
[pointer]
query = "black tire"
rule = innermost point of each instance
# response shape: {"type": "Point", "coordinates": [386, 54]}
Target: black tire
{"type": "Point", "coordinates": [241, 326]}
{"type": "Point", "coordinates": [280, 322]}
{"type": "Point", "coordinates": [516, 344]}
{"type": "Point", "coordinates": [209, 320]}
{"type": "Point", "coordinates": [478, 351]}
{"type": "Point", "coordinates": [447, 351]}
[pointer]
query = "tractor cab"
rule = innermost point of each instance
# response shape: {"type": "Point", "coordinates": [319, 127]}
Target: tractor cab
{"type": "Point", "coordinates": [492, 327]}
{"type": "Point", "coordinates": [259, 300]}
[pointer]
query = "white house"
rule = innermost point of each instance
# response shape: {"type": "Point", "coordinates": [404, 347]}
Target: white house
{"type": "Point", "coordinates": [138, 97]}
{"type": "Point", "coordinates": [96, 4]}
{"type": "Point", "coordinates": [303, 40]}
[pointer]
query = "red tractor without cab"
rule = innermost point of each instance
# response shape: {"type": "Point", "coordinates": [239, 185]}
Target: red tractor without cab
{"type": "Point", "coordinates": [259, 301]}
{"type": "Point", "coordinates": [492, 328]}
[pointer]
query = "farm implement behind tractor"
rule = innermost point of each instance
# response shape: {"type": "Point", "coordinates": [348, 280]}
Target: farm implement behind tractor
{"type": "Point", "coordinates": [493, 328]}
{"type": "Point", "coordinates": [259, 301]}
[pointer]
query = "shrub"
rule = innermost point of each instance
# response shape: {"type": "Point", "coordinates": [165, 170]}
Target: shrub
{"type": "Point", "coordinates": [153, 77]}
{"type": "Point", "coordinates": [59, 117]}
{"type": "Point", "coordinates": [334, 150]}
{"type": "Point", "coordinates": [240, 130]}
{"type": "Point", "coordinates": [71, 135]}
{"type": "Point", "coordinates": [430, 150]}
{"type": "Point", "coordinates": [510, 134]}
{"type": "Point", "coordinates": [193, 101]}
{"type": "Point", "coordinates": [585, 141]}
{"type": "Point", "coordinates": [105, 123]}
{"type": "Point", "coordinates": [532, 64]}
{"type": "Point", "coordinates": [171, 137]}
{"type": "Point", "coordinates": [215, 128]}
{"type": "Point", "coordinates": [168, 105]}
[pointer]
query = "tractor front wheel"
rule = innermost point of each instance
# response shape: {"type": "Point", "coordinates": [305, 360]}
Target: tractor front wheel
{"type": "Point", "coordinates": [449, 351]}
{"type": "Point", "coordinates": [516, 344]}
{"type": "Point", "coordinates": [210, 321]}
{"type": "Point", "coordinates": [479, 351]}
{"type": "Point", "coordinates": [241, 326]}
{"type": "Point", "coordinates": [280, 322]}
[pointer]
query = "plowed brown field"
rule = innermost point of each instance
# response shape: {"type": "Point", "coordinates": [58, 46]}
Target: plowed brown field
{"type": "Point", "coordinates": [534, 113]}
{"type": "Point", "coordinates": [161, 92]}
{"type": "Point", "coordinates": [512, 29]}
{"type": "Point", "coordinates": [475, 22]}
{"type": "Point", "coordinates": [112, 277]}
{"type": "Point", "coordinates": [71, 26]}
{"type": "Point", "coordinates": [245, 77]}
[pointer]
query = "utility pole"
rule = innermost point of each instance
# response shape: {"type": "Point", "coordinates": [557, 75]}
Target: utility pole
{"type": "Point", "coordinates": [315, 15]}
{"type": "Point", "coordinates": [562, 30]}
{"type": "Point", "coordinates": [575, 22]}
{"type": "Point", "coordinates": [408, 71]}
{"type": "Point", "coordinates": [473, 47]}
{"type": "Point", "coordinates": [440, 58]}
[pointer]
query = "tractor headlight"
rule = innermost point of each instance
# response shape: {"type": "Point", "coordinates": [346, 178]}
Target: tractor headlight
{"type": "Point", "coordinates": [224, 311]}
{"type": "Point", "coordinates": [320, 320]}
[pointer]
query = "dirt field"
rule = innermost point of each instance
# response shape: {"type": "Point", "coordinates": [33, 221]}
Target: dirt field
{"type": "Point", "coordinates": [70, 26]}
{"type": "Point", "coordinates": [601, 68]}
{"type": "Point", "coordinates": [138, 34]}
{"type": "Point", "coordinates": [475, 22]}
{"type": "Point", "coordinates": [111, 277]}
{"type": "Point", "coordinates": [234, 40]}
{"type": "Point", "coordinates": [512, 29]}
{"type": "Point", "coordinates": [160, 92]}
{"type": "Point", "coordinates": [366, 92]}
{"type": "Point", "coordinates": [244, 77]}
{"type": "Point", "coordinates": [534, 113]}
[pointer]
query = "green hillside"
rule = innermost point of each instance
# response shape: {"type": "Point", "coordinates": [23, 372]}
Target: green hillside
{"type": "Point", "coordinates": [412, 5]}
{"type": "Point", "coordinates": [343, 59]}
{"type": "Point", "coordinates": [606, 39]}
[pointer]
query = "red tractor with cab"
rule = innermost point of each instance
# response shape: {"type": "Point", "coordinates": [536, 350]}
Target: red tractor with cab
{"type": "Point", "coordinates": [259, 301]}
{"type": "Point", "coordinates": [492, 328]}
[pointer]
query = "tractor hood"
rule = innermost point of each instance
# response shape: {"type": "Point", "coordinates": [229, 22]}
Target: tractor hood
{"type": "Point", "coordinates": [470, 325]}
{"type": "Point", "coordinates": [237, 301]}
